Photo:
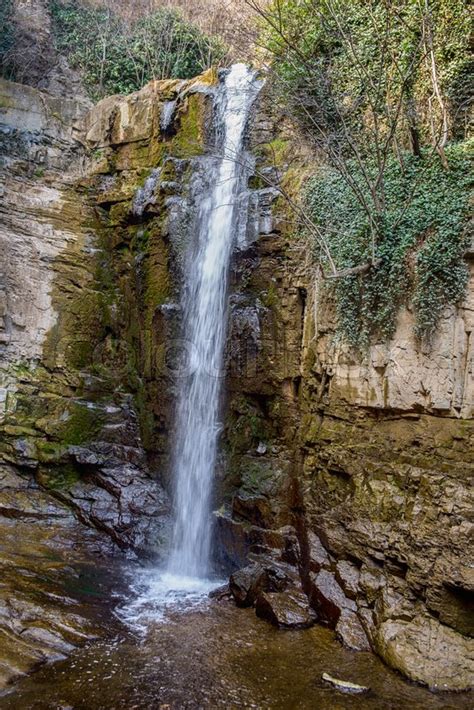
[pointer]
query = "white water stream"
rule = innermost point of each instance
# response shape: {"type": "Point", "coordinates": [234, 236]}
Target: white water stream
{"type": "Point", "coordinates": [205, 320]}
{"type": "Point", "coordinates": [187, 578]}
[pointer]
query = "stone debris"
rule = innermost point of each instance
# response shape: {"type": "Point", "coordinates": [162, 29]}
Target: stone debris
{"type": "Point", "coordinates": [345, 686]}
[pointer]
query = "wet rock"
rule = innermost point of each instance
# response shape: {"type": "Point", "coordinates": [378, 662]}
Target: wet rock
{"type": "Point", "coordinates": [232, 542]}
{"type": "Point", "coordinates": [26, 453]}
{"type": "Point", "coordinates": [222, 592]}
{"type": "Point", "coordinates": [351, 633]}
{"type": "Point", "coordinates": [291, 552]}
{"type": "Point", "coordinates": [255, 509]}
{"type": "Point", "coordinates": [318, 556]}
{"type": "Point", "coordinates": [237, 541]}
{"type": "Point", "coordinates": [280, 575]}
{"type": "Point", "coordinates": [106, 453]}
{"type": "Point", "coordinates": [47, 559]}
{"type": "Point", "coordinates": [124, 502]}
{"type": "Point", "coordinates": [22, 498]}
{"type": "Point", "coordinates": [348, 576]}
{"type": "Point", "coordinates": [246, 584]}
{"type": "Point", "coordinates": [286, 610]}
{"type": "Point", "coordinates": [427, 652]}
{"type": "Point", "coordinates": [345, 686]}
{"type": "Point", "coordinates": [328, 597]}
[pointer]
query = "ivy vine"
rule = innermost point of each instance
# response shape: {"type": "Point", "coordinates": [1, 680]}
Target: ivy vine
{"type": "Point", "coordinates": [421, 243]}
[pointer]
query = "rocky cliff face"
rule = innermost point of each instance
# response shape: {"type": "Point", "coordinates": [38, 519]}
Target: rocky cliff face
{"type": "Point", "coordinates": [375, 451]}
{"type": "Point", "coordinates": [88, 275]}
{"type": "Point", "coordinates": [387, 444]}
{"type": "Point", "coordinates": [67, 414]}
{"type": "Point", "coordinates": [343, 478]}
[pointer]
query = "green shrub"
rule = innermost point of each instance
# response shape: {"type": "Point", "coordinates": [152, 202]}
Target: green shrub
{"type": "Point", "coordinates": [115, 58]}
{"type": "Point", "coordinates": [421, 243]}
{"type": "Point", "coordinates": [340, 65]}
{"type": "Point", "coordinates": [7, 38]}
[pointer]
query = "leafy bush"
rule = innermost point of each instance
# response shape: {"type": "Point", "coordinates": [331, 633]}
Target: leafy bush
{"type": "Point", "coordinates": [7, 38]}
{"type": "Point", "coordinates": [115, 57]}
{"type": "Point", "coordinates": [343, 64]}
{"type": "Point", "coordinates": [421, 243]}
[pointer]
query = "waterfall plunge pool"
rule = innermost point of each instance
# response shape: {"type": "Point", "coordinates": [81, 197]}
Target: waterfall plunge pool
{"type": "Point", "coordinates": [193, 652]}
{"type": "Point", "coordinates": [155, 593]}
{"type": "Point", "coordinates": [161, 649]}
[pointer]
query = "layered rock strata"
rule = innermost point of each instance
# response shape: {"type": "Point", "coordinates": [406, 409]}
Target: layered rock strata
{"type": "Point", "coordinates": [343, 477]}
{"type": "Point", "coordinates": [367, 457]}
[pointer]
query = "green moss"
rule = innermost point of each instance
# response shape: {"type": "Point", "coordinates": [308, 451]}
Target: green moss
{"type": "Point", "coordinates": [139, 156]}
{"type": "Point", "coordinates": [145, 415]}
{"type": "Point", "coordinates": [275, 152]}
{"type": "Point", "coordinates": [5, 102]}
{"type": "Point", "coordinates": [59, 478]}
{"type": "Point", "coordinates": [253, 477]}
{"type": "Point", "coordinates": [49, 452]}
{"type": "Point", "coordinates": [189, 140]}
{"type": "Point", "coordinates": [18, 430]}
{"type": "Point", "coordinates": [157, 280]}
{"type": "Point", "coordinates": [119, 213]}
{"type": "Point", "coordinates": [82, 426]}
{"type": "Point", "coordinates": [270, 297]}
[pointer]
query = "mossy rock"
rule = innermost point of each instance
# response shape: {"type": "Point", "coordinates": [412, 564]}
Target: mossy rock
{"type": "Point", "coordinates": [82, 425]}
{"type": "Point", "coordinates": [189, 140]}
{"type": "Point", "coordinates": [49, 452]}
{"type": "Point", "coordinates": [58, 478]}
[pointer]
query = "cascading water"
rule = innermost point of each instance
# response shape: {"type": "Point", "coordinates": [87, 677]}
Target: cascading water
{"type": "Point", "coordinates": [219, 187]}
{"type": "Point", "coordinates": [204, 310]}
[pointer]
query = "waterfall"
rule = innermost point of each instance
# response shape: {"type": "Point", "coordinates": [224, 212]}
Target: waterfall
{"type": "Point", "coordinates": [204, 305]}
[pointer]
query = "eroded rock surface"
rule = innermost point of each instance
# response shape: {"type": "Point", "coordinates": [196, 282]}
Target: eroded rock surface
{"type": "Point", "coordinates": [57, 578]}
{"type": "Point", "coordinates": [378, 447]}
{"type": "Point", "coordinates": [351, 470]}
{"type": "Point", "coordinates": [67, 376]}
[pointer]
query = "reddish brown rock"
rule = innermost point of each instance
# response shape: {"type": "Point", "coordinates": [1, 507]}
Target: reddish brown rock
{"type": "Point", "coordinates": [255, 509]}
{"type": "Point", "coordinates": [348, 576]}
{"type": "Point", "coordinates": [350, 632]}
{"type": "Point", "coordinates": [287, 610]}
{"type": "Point", "coordinates": [328, 597]}
{"type": "Point", "coordinates": [318, 556]}
{"type": "Point", "coordinates": [247, 583]}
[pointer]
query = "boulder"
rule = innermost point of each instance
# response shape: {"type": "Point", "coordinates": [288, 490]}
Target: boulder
{"type": "Point", "coordinates": [350, 632]}
{"type": "Point", "coordinates": [246, 584]}
{"type": "Point", "coordinates": [286, 610]}
{"type": "Point", "coordinates": [427, 652]}
{"type": "Point", "coordinates": [328, 597]}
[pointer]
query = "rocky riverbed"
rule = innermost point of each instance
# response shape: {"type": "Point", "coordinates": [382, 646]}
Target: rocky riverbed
{"type": "Point", "coordinates": [214, 655]}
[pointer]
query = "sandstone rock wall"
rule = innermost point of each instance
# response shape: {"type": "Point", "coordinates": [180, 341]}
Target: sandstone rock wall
{"type": "Point", "coordinates": [388, 467]}
{"type": "Point", "coordinates": [403, 375]}
{"type": "Point", "coordinates": [68, 380]}
{"type": "Point", "coordinates": [367, 458]}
